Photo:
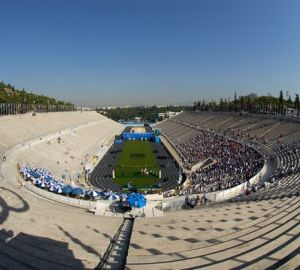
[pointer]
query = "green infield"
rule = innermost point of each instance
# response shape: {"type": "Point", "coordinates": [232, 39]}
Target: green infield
{"type": "Point", "coordinates": [137, 165]}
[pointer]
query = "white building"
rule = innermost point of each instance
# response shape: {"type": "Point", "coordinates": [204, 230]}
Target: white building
{"type": "Point", "coordinates": [166, 115]}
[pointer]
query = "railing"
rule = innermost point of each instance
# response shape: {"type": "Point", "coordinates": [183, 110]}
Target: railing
{"type": "Point", "coordinates": [217, 196]}
{"type": "Point", "coordinates": [21, 108]}
{"type": "Point", "coordinates": [60, 198]}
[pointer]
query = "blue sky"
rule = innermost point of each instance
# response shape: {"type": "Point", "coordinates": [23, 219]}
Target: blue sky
{"type": "Point", "coordinates": [130, 52]}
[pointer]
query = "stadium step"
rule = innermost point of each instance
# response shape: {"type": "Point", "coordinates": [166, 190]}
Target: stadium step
{"type": "Point", "coordinates": [116, 254]}
{"type": "Point", "coordinates": [28, 256]}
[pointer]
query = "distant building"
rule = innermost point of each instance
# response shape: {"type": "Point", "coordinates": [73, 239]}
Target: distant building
{"type": "Point", "coordinates": [292, 112]}
{"type": "Point", "coordinates": [137, 119]}
{"type": "Point", "coordinates": [166, 115]}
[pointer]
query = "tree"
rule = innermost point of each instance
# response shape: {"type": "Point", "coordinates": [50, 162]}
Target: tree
{"type": "Point", "coordinates": [225, 105]}
{"type": "Point", "coordinates": [280, 101]}
{"type": "Point", "coordinates": [221, 105]}
{"type": "Point", "coordinates": [235, 102]}
{"type": "Point", "coordinates": [297, 104]}
{"type": "Point", "coordinates": [290, 102]}
{"type": "Point", "coordinates": [21, 96]}
{"type": "Point", "coordinates": [242, 103]}
{"type": "Point", "coordinates": [203, 105]}
{"type": "Point", "coordinates": [195, 106]}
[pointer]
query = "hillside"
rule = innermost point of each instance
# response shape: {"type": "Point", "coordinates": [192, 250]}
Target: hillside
{"type": "Point", "coordinates": [8, 94]}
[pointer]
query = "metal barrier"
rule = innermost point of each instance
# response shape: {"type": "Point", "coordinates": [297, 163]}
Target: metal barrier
{"type": "Point", "coordinates": [217, 196]}
{"type": "Point", "coordinates": [22, 108]}
{"type": "Point", "coordinates": [60, 198]}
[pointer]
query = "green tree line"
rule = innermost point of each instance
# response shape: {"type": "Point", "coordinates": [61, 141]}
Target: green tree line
{"type": "Point", "coordinates": [253, 103]}
{"type": "Point", "coordinates": [8, 94]}
{"type": "Point", "coordinates": [147, 114]}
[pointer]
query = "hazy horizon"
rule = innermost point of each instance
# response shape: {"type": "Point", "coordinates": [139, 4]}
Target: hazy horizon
{"type": "Point", "coordinates": [133, 52]}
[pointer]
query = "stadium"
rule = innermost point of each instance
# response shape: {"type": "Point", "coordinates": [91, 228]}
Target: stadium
{"type": "Point", "coordinates": [245, 217]}
{"type": "Point", "coordinates": [150, 135]}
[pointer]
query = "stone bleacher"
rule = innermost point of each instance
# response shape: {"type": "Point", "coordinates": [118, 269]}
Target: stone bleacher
{"type": "Point", "coordinates": [36, 233]}
{"type": "Point", "coordinates": [254, 126]}
{"type": "Point", "coordinates": [254, 234]}
{"type": "Point", "coordinates": [258, 231]}
{"type": "Point", "coordinates": [19, 128]}
{"type": "Point", "coordinates": [75, 150]}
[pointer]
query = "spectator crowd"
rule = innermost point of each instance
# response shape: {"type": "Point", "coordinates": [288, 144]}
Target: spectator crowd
{"type": "Point", "coordinates": [233, 162]}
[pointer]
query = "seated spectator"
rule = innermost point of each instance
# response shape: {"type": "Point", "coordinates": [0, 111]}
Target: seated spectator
{"type": "Point", "coordinates": [234, 163]}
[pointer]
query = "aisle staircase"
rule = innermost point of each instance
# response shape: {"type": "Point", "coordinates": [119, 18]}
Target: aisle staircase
{"type": "Point", "coordinates": [116, 253]}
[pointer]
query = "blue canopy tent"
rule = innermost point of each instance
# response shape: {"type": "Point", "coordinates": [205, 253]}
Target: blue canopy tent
{"type": "Point", "coordinates": [48, 184]}
{"type": "Point", "coordinates": [37, 181]}
{"type": "Point", "coordinates": [67, 189]}
{"type": "Point", "coordinates": [123, 196]}
{"type": "Point", "coordinates": [114, 197]}
{"type": "Point", "coordinates": [101, 194]}
{"type": "Point", "coordinates": [43, 184]}
{"type": "Point", "coordinates": [33, 174]}
{"type": "Point", "coordinates": [77, 191]}
{"type": "Point", "coordinates": [53, 187]}
{"type": "Point", "coordinates": [48, 178]}
{"type": "Point", "coordinates": [137, 200]}
{"type": "Point", "coordinates": [91, 193]}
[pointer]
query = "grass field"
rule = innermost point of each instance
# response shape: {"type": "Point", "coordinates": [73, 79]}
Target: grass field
{"type": "Point", "coordinates": [137, 165]}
